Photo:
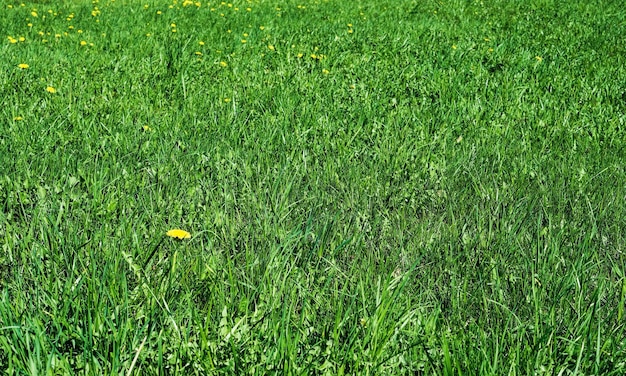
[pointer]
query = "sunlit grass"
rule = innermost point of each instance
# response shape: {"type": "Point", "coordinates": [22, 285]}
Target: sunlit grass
{"type": "Point", "coordinates": [411, 187]}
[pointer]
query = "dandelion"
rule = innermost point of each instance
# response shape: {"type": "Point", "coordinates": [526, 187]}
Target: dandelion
{"type": "Point", "coordinates": [146, 128]}
{"type": "Point", "coordinates": [261, 28]}
{"type": "Point", "coordinates": [178, 234]}
{"type": "Point", "coordinates": [21, 39]}
{"type": "Point", "coordinates": [245, 35]}
{"type": "Point", "coordinates": [226, 100]}
{"type": "Point", "coordinates": [272, 48]}
{"type": "Point", "coordinates": [201, 43]}
{"type": "Point", "coordinates": [198, 53]}
{"type": "Point", "coordinates": [223, 64]}
{"type": "Point", "coordinates": [23, 66]}
{"type": "Point", "coordinates": [243, 41]}
{"type": "Point", "coordinates": [83, 43]}
{"type": "Point", "coordinates": [18, 118]}
{"type": "Point", "coordinates": [51, 90]}
{"type": "Point", "coordinates": [539, 58]}
{"type": "Point", "coordinates": [325, 71]}
{"type": "Point", "coordinates": [12, 40]}
{"type": "Point", "coordinates": [300, 55]}
{"type": "Point", "coordinates": [454, 46]}
{"type": "Point", "coordinates": [33, 13]}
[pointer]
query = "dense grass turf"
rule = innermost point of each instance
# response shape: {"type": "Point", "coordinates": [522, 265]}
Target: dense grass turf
{"type": "Point", "coordinates": [375, 187]}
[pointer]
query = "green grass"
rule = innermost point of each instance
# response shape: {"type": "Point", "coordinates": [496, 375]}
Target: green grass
{"type": "Point", "coordinates": [439, 189]}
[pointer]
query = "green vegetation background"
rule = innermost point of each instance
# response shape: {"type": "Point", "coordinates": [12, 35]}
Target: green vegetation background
{"type": "Point", "coordinates": [375, 187]}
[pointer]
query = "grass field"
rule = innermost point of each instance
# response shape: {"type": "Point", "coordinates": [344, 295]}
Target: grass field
{"type": "Point", "coordinates": [371, 187]}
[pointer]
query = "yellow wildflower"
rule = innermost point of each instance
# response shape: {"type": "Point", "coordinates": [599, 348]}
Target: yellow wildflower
{"type": "Point", "coordinates": [23, 66]}
{"type": "Point", "coordinates": [223, 64]}
{"type": "Point", "coordinates": [18, 118]}
{"type": "Point", "coordinates": [178, 234]}
{"type": "Point", "coordinates": [325, 71]}
{"type": "Point", "coordinates": [12, 40]}
{"type": "Point", "coordinates": [51, 90]}
{"type": "Point", "coordinates": [272, 48]}
{"type": "Point", "coordinates": [83, 43]}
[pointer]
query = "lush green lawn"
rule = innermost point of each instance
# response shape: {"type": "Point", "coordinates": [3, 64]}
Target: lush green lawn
{"type": "Point", "coordinates": [396, 187]}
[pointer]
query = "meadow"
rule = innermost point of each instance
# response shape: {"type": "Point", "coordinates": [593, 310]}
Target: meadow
{"type": "Point", "coordinates": [389, 187]}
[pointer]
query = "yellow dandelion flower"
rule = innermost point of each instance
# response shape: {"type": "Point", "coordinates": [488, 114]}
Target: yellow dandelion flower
{"type": "Point", "coordinates": [159, 12]}
{"type": "Point", "coordinates": [18, 118]}
{"type": "Point", "coordinates": [12, 40]}
{"type": "Point", "coordinates": [223, 64]}
{"type": "Point", "coordinates": [539, 58]}
{"type": "Point", "coordinates": [146, 128]}
{"type": "Point", "coordinates": [173, 25]}
{"type": "Point", "coordinates": [243, 41]}
{"type": "Point", "coordinates": [249, 9]}
{"type": "Point", "coordinates": [51, 90]}
{"type": "Point", "coordinates": [33, 13]}
{"type": "Point", "coordinates": [198, 53]}
{"type": "Point", "coordinates": [226, 100]}
{"type": "Point", "coordinates": [21, 39]}
{"type": "Point", "coordinates": [245, 35]}
{"type": "Point", "coordinates": [201, 43]}
{"type": "Point", "coordinates": [83, 43]}
{"type": "Point", "coordinates": [29, 24]}
{"type": "Point", "coordinates": [349, 25]}
{"type": "Point", "coordinates": [454, 46]}
{"type": "Point", "coordinates": [261, 27]}
{"type": "Point", "coordinates": [299, 55]}
{"type": "Point", "coordinates": [23, 66]}
{"type": "Point", "coordinates": [178, 234]}
{"type": "Point", "coordinates": [272, 48]}
{"type": "Point", "coordinates": [325, 71]}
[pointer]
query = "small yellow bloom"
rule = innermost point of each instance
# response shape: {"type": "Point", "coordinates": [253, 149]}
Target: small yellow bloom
{"type": "Point", "coordinates": [146, 128]}
{"type": "Point", "coordinates": [539, 58]}
{"type": "Point", "coordinates": [33, 13]}
{"type": "Point", "coordinates": [223, 64]}
{"type": "Point", "coordinates": [12, 40]}
{"type": "Point", "coordinates": [79, 31]}
{"type": "Point", "coordinates": [454, 46]}
{"type": "Point", "coordinates": [51, 90]}
{"type": "Point", "coordinates": [271, 47]}
{"type": "Point", "coordinates": [29, 24]}
{"type": "Point", "coordinates": [201, 43]}
{"type": "Point", "coordinates": [227, 100]}
{"type": "Point", "coordinates": [261, 27]}
{"type": "Point", "coordinates": [349, 25]}
{"type": "Point", "coordinates": [300, 55]}
{"type": "Point", "coordinates": [245, 35]}
{"type": "Point", "coordinates": [198, 53]}
{"type": "Point", "coordinates": [173, 25]}
{"type": "Point", "coordinates": [159, 12]}
{"type": "Point", "coordinates": [243, 41]}
{"type": "Point", "coordinates": [350, 31]}
{"type": "Point", "coordinates": [21, 39]}
{"type": "Point", "coordinates": [178, 234]}
{"type": "Point", "coordinates": [83, 43]}
{"type": "Point", "coordinates": [325, 71]}
{"type": "Point", "coordinates": [23, 66]}
{"type": "Point", "coordinates": [18, 118]}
